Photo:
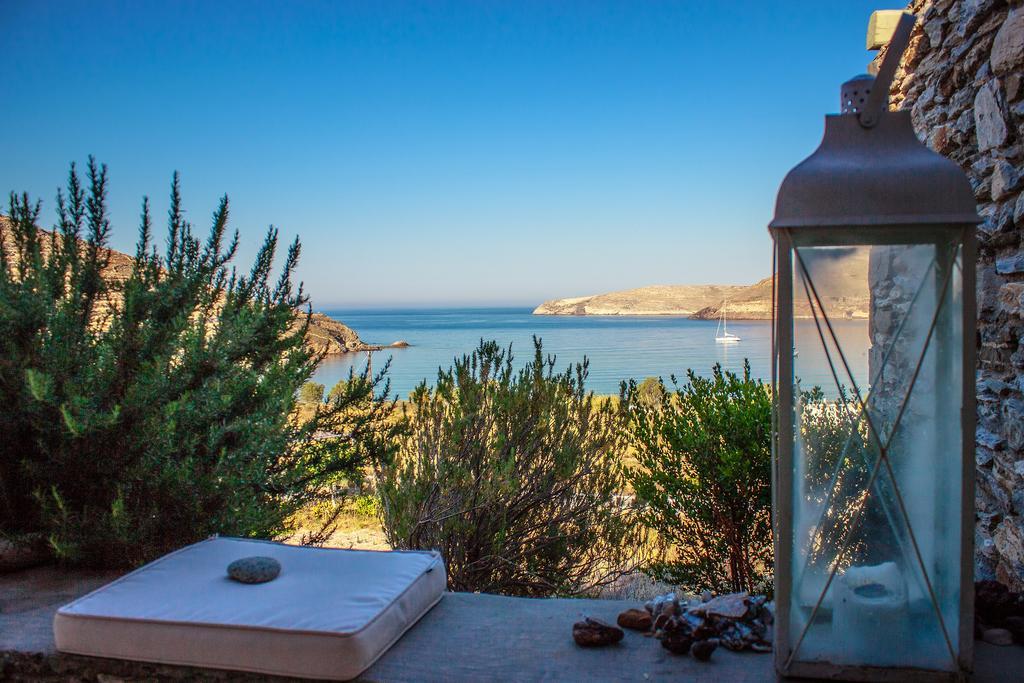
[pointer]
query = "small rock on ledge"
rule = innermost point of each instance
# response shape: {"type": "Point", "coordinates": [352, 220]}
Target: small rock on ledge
{"type": "Point", "coordinates": [636, 619]}
{"type": "Point", "coordinates": [731, 606]}
{"type": "Point", "coordinates": [594, 633]}
{"type": "Point", "coordinates": [702, 649]}
{"type": "Point", "coordinates": [677, 642]}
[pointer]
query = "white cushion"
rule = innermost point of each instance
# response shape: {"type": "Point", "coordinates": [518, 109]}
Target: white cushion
{"type": "Point", "coordinates": [329, 614]}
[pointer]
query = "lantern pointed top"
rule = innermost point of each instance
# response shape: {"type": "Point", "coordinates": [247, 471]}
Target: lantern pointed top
{"type": "Point", "coordinates": [871, 169]}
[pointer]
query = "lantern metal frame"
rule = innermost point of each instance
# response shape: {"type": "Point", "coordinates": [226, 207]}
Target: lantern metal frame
{"type": "Point", "coordinates": [871, 175]}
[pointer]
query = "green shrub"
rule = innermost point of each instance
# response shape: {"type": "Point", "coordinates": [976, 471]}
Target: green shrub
{"type": "Point", "coordinates": [703, 476]}
{"type": "Point", "coordinates": [311, 392]}
{"type": "Point", "coordinates": [513, 476]}
{"type": "Point", "coordinates": [147, 411]}
{"type": "Point", "coordinates": [366, 505]}
{"type": "Point", "coordinates": [651, 391]}
{"type": "Point", "coordinates": [339, 390]}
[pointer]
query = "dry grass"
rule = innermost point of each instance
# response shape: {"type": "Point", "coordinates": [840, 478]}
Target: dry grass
{"type": "Point", "coordinates": [635, 586]}
{"type": "Point", "coordinates": [356, 526]}
{"type": "Point", "coordinates": [360, 532]}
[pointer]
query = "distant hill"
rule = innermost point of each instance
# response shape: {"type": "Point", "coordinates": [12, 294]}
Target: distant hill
{"type": "Point", "coordinates": [840, 276]}
{"type": "Point", "coordinates": [325, 335]}
{"type": "Point", "coordinates": [654, 300]}
{"type": "Point", "coordinates": [750, 303]}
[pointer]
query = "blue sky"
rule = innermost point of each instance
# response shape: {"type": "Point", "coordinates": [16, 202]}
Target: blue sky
{"type": "Point", "coordinates": [434, 153]}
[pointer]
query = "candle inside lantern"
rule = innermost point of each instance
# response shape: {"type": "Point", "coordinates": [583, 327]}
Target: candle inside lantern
{"type": "Point", "coordinates": [870, 611]}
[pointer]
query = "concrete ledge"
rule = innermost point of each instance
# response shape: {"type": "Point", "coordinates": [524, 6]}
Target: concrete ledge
{"type": "Point", "coordinates": [40, 668]}
{"type": "Point", "coordinates": [466, 637]}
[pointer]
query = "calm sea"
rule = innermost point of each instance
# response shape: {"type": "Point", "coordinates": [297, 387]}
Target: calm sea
{"type": "Point", "coordinates": [619, 347]}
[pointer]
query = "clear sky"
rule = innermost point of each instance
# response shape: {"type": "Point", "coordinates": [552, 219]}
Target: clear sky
{"type": "Point", "coordinates": [471, 153]}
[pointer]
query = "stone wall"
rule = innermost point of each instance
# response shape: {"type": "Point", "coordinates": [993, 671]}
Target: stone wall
{"type": "Point", "coordinates": [962, 80]}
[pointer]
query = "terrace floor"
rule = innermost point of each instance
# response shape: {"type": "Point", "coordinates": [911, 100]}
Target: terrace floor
{"type": "Point", "coordinates": [466, 637]}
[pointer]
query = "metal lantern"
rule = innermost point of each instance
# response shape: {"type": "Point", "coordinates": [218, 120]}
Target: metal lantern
{"type": "Point", "coordinates": [874, 468]}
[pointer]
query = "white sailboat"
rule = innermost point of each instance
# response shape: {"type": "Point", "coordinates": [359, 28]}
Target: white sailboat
{"type": "Point", "coordinates": [723, 335]}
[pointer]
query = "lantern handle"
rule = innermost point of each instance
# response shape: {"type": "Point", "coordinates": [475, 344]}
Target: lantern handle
{"type": "Point", "coordinates": [878, 99]}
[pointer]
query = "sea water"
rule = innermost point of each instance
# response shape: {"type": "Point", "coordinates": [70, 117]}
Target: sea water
{"type": "Point", "coordinates": [618, 347]}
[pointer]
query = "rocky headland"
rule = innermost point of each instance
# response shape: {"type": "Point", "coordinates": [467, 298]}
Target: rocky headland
{"type": "Point", "coordinates": [330, 337]}
{"type": "Point", "coordinates": [839, 274]}
{"type": "Point", "coordinates": [654, 300]}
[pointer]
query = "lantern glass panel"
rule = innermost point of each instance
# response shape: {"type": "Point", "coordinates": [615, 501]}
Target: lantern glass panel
{"type": "Point", "coordinates": [877, 449]}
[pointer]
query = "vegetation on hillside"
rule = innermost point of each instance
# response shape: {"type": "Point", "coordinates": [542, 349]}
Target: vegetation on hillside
{"type": "Point", "coordinates": [144, 414]}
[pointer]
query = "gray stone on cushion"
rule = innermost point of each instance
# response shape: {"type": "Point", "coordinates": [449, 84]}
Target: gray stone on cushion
{"type": "Point", "coordinates": [255, 569]}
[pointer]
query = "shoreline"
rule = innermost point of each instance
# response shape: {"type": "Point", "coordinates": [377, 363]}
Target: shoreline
{"type": "Point", "coordinates": [689, 316]}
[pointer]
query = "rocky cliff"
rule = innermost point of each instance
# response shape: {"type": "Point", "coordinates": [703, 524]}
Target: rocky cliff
{"type": "Point", "coordinates": [328, 336]}
{"type": "Point", "coordinates": [963, 81]}
{"type": "Point", "coordinates": [119, 266]}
